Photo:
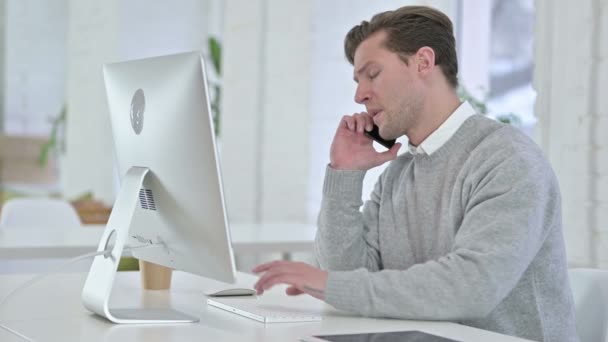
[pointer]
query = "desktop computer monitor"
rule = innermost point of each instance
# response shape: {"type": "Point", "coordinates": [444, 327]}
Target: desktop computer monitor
{"type": "Point", "coordinates": [171, 189]}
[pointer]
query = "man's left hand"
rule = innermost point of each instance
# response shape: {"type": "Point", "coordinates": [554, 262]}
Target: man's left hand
{"type": "Point", "coordinates": [301, 278]}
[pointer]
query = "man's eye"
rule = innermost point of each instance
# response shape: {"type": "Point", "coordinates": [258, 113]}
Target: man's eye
{"type": "Point", "coordinates": [373, 75]}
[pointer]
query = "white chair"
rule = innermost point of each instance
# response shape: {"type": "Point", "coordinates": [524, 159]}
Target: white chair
{"type": "Point", "coordinates": [590, 291]}
{"type": "Point", "coordinates": [38, 212]}
{"type": "Point", "coordinates": [24, 213]}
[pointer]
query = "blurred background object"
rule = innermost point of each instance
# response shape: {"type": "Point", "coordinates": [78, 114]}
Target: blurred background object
{"type": "Point", "coordinates": [280, 83]}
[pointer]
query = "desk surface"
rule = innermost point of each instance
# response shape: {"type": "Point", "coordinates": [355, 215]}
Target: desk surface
{"type": "Point", "coordinates": [51, 310]}
{"type": "Point", "coordinates": [42, 242]}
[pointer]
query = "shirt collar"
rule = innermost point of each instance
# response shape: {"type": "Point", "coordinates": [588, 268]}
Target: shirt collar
{"type": "Point", "coordinates": [444, 132]}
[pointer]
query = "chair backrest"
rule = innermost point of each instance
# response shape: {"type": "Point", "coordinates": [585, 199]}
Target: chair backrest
{"type": "Point", "coordinates": [590, 291]}
{"type": "Point", "coordinates": [38, 212]}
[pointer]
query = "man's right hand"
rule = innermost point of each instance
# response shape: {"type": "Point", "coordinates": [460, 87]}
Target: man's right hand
{"type": "Point", "coordinates": [353, 150]}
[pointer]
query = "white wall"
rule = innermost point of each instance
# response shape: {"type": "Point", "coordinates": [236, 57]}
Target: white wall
{"type": "Point", "coordinates": [266, 110]}
{"type": "Point", "coordinates": [162, 27]}
{"type": "Point", "coordinates": [285, 145]}
{"type": "Point", "coordinates": [473, 43]}
{"type": "Point", "coordinates": [92, 40]}
{"type": "Point", "coordinates": [571, 78]}
{"type": "Point", "coordinates": [34, 54]}
{"type": "Point", "coordinates": [2, 61]}
{"type": "Point", "coordinates": [241, 106]}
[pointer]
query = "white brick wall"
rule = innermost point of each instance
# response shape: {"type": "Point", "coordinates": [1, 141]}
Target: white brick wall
{"type": "Point", "coordinates": [571, 80]}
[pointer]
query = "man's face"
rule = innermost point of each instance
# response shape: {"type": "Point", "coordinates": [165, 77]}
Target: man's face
{"type": "Point", "coordinates": [389, 89]}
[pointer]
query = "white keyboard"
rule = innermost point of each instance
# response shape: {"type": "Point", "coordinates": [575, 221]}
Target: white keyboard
{"type": "Point", "coordinates": [254, 308]}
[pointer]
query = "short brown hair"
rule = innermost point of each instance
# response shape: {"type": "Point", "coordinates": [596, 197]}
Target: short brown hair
{"type": "Point", "coordinates": [408, 29]}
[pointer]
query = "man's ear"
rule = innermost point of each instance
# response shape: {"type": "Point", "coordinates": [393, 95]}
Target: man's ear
{"type": "Point", "coordinates": [425, 60]}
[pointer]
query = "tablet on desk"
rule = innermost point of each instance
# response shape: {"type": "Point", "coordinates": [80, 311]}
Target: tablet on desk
{"type": "Point", "coordinates": [391, 336]}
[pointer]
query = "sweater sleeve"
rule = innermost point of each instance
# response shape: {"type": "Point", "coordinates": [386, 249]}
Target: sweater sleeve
{"type": "Point", "coordinates": [508, 215]}
{"type": "Point", "coordinates": [347, 238]}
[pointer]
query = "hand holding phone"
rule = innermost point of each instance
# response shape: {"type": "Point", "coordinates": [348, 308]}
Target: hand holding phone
{"type": "Point", "coordinates": [352, 149]}
{"type": "Point", "coordinates": [375, 135]}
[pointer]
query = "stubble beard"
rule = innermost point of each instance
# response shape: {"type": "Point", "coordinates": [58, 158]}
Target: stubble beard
{"type": "Point", "coordinates": [399, 123]}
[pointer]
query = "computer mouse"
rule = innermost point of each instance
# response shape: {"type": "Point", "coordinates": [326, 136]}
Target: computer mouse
{"type": "Point", "coordinates": [232, 292]}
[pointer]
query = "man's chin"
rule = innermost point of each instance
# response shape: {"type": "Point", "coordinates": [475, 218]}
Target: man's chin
{"type": "Point", "coordinates": [384, 134]}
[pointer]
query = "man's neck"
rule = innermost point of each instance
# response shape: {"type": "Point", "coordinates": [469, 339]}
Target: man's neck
{"type": "Point", "coordinates": [434, 114]}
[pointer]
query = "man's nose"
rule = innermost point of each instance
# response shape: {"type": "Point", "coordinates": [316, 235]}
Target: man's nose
{"type": "Point", "coordinates": [361, 94]}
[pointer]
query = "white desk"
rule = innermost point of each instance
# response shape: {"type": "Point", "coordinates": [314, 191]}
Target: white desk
{"type": "Point", "coordinates": [52, 311]}
{"type": "Point", "coordinates": [41, 242]}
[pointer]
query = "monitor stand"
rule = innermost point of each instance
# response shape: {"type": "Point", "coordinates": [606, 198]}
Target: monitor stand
{"type": "Point", "coordinates": [98, 286]}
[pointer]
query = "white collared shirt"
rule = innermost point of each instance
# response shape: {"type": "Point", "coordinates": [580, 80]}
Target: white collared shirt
{"type": "Point", "coordinates": [444, 132]}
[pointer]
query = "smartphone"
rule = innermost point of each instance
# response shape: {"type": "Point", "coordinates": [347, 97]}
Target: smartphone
{"type": "Point", "coordinates": [375, 134]}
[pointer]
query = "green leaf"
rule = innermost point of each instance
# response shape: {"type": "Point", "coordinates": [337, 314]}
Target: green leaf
{"type": "Point", "coordinates": [477, 104]}
{"type": "Point", "coordinates": [43, 157]}
{"type": "Point", "coordinates": [509, 118]}
{"type": "Point", "coordinates": [215, 49]}
{"type": "Point", "coordinates": [215, 107]}
{"type": "Point", "coordinates": [52, 143]}
{"type": "Point", "coordinates": [128, 264]}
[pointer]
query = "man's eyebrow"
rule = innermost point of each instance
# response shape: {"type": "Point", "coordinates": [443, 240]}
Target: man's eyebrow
{"type": "Point", "coordinates": [361, 69]}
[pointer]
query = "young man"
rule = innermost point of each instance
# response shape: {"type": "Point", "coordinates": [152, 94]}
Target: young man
{"type": "Point", "coordinates": [465, 226]}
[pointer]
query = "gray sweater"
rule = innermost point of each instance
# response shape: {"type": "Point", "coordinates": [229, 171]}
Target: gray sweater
{"type": "Point", "coordinates": [470, 234]}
